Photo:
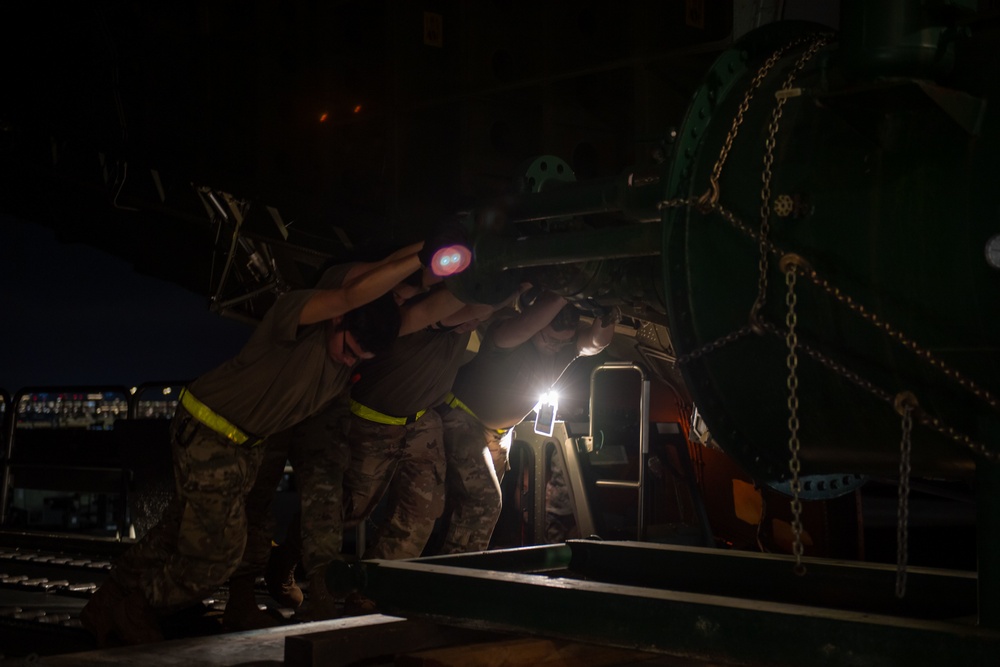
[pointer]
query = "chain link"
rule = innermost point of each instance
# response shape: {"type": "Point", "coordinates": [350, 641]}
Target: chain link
{"type": "Point", "coordinates": [905, 403]}
{"type": "Point", "coordinates": [885, 327]}
{"type": "Point", "coordinates": [711, 196]}
{"type": "Point", "coordinates": [794, 465]}
{"type": "Point", "coordinates": [921, 417]}
{"type": "Point", "coordinates": [722, 341]}
{"type": "Point", "coordinates": [708, 203]}
{"type": "Point", "coordinates": [767, 174]}
{"type": "Point", "coordinates": [901, 338]}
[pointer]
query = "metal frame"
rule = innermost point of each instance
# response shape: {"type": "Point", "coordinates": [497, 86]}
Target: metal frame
{"type": "Point", "coordinates": [639, 484]}
{"type": "Point", "coordinates": [698, 603]}
{"type": "Point", "coordinates": [10, 425]}
{"type": "Point", "coordinates": [525, 435]}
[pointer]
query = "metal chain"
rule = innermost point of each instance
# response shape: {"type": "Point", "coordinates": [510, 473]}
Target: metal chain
{"type": "Point", "coordinates": [846, 300]}
{"type": "Point", "coordinates": [936, 424]}
{"type": "Point", "coordinates": [905, 403]}
{"type": "Point", "coordinates": [931, 423]}
{"type": "Point", "coordinates": [677, 202]}
{"type": "Point", "coordinates": [925, 420]}
{"type": "Point", "coordinates": [767, 174]}
{"type": "Point", "coordinates": [794, 465]}
{"type": "Point", "coordinates": [926, 355]}
{"type": "Point", "coordinates": [692, 203]}
{"type": "Point", "coordinates": [722, 341]}
{"type": "Point", "coordinates": [922, 417]}
{"type": "Point", "coordinates": [711, 196]}
{"type": "Point", "coordinates": [709, 203]}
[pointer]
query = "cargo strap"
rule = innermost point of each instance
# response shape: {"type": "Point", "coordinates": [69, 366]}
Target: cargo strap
{"type": "Point", "coordinates": [452, 401]}
{"type": "Point", "coordinates": [365, 412]}
{"type": "Point", "coordinates": [216, 422]}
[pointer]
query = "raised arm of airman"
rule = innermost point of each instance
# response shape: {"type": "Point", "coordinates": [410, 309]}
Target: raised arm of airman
{"type": "Point", "coordinates": [295, 363]}
{"type": "Point", "coordinates": [519, 359]}
{"type": "Point", "coordinates": [318, 451]}
{"type": "Point", "coordinates": [350, 381]}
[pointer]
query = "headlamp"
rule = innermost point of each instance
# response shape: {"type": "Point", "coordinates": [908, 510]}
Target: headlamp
{"type": "Point", "coordinates": [450, 260]}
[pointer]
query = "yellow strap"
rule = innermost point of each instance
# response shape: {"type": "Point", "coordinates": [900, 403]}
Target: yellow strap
{"type": "Point", "coordinates": [452, 401]}
{"type": "Point", "coordinates": [219, 424]}
{"type": "Point", "coordinates": [365, 412]}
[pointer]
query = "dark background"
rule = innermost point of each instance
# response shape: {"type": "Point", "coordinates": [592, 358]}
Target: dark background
{"type": "Point", "coordinates": [76, 315]}
{"type": "Point", "coordinates": [359, 124]}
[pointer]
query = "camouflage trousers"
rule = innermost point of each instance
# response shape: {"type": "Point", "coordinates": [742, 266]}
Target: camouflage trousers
{"type": "Point", "coordinates": [408, 462]}
{"type": "Point", "coordinates": [477, 461]}
{"type": "Point", "coordinates": [317, 449]}
{"type": "Point", "coordinates": [201, 536]}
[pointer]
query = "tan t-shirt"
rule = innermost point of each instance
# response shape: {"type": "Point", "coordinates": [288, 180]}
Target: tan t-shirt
{"type": "Point", "coordinates": [416, 374]}
{"type": "Point", "coordinates": [283, 374]}
{"type": "Point", "coordinates": [501, 385]}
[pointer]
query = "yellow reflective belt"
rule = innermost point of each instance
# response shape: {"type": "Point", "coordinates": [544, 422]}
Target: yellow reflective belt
{"type": "Point", "coordinates": [452, 401]}
{"type": "Point", "coordinates": [217, 423]}
{"type": "Point", "coordinates": [365, 412]}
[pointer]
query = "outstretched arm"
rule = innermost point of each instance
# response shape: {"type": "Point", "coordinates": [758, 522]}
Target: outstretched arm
{"type": "Point", "coordinates": [598, 336]}
{"type": "Point", "coordinates": [519, 329]}
{"type": "Point", "coordinates": [364, 283]}
{"type": "Point", "coordinates": [438, 305]}
{"type": "Point", "coordinates": [472, 315]}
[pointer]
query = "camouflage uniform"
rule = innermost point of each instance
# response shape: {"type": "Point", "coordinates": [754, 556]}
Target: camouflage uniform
{"type": "Point", "coordinates": [317, 449]}
{"type": "Point", "coordinates": [409, 462]}
{"type": "Point", "coordinates": [473, 479]}
{"type": "Point", "coordinates": [281, 376]}
{"type": "Point", "coordinates": [396, 440]}
{"type": "Point", "coordinates": [560, 518]}
{"type": "Point", "coordinates": [201, 535]}
{"type": "Point", "coordinates": [320, 457]}
{"type": "Point", "coordinates": [497, 389]}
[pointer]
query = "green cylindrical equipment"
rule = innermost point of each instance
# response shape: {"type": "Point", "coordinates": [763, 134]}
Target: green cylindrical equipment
{"type": "Point", "coordinates": [880, 194]}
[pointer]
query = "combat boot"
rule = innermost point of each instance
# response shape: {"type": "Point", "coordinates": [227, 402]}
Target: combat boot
{"type": "Point", "coordinates": [321, 605]}
{"type": "Point", "coordinates": [280, 576]}
{"type": "Point", "coordinates": [356, 604]}
{"type": "Point", "coordinates": [98, 615]}
{"type": "Point", "coordinates": [113, 613]}
{"type": "Point", "coordinates": [242, 612]}
{"type": "Point", "coordinates": [346, 580]}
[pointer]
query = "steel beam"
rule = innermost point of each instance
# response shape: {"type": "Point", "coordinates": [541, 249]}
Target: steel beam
{"type": "Point", "coordinates": [689, 623]}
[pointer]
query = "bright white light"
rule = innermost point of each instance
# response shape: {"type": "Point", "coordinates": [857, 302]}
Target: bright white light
{"type": "Point", "coordinates": [545, 413]}
{"type": "Point", "coordinates": [549, 397]}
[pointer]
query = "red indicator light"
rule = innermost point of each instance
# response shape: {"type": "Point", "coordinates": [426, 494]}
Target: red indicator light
{"type": "Point", "coordinates": [451, 260]}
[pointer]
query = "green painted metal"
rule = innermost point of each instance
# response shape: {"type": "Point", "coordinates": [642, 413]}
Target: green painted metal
{"type": "Point", "coordinates": [895, 203]}
{"type": "Point", "coordinates": [505, 253]}
{"type": "Point", "coordinates": [848, 585]}
{"type": "Point", "coordinates": [683, 623]}
{"type": "Point", "coordinates": [535, 559]}
{"type": "Point", "coordinates": [571, 257]}
{"type": "Point", "coordinates": [634, 195]}
{"type": "Point", "coordinates": [580, 264]}
{"type": "Point", "coordinates": [545, 172]}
